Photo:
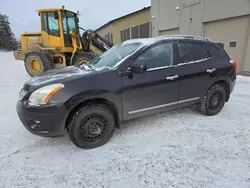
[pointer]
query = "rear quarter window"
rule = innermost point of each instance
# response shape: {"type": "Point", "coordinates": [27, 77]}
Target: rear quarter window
{"type": "Point", "coordinates": [212, 49]}
{"type": "Point", "coordinates": [191, 52]}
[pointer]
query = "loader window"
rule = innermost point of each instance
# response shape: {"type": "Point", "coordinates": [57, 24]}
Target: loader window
{"type": "Point", "coordinates": [69, 23]}
{"type": "Point", "coordinates": [44, 22]}
{"type": "Point", "coordinates": [53, 25]}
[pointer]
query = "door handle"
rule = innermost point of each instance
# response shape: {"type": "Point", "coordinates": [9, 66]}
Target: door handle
{"type": "Point", "coordinates": [211, 70]}
{"type": "Point", "coordinates": [172, 77]}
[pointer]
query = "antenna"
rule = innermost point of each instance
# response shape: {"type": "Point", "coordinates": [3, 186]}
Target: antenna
{"type": "Point", "coordinates": [78, 13]}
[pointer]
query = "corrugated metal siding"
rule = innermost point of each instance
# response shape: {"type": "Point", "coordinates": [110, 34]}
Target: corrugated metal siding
{"type": "Point", "coordinates": [144, 30]}
{"type": "Point", "coordinates": [135, 32]}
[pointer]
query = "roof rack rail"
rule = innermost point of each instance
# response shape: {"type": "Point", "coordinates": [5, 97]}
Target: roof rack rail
{"type": "Point", "coordinates": [189, 37]}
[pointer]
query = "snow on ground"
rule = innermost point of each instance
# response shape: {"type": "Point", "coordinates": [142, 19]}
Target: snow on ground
{"type": "Point", "coordinates": [180, 148]}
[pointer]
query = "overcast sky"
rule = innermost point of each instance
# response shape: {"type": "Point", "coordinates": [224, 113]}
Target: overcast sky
{"type": "Point", "coordinates": [94, 13]}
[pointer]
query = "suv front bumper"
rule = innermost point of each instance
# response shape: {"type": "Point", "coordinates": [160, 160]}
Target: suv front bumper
{"type": "Point", "coordinates": [44, 121]}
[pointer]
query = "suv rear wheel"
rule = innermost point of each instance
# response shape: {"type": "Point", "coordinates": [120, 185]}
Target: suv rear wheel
{"type": "Point", "coordinates": [91, 126]}
{"type": "Point", "coordinates": [214, 101]}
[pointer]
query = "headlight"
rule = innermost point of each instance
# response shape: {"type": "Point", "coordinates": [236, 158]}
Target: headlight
{"type": "Point", "coordinates": [42, 95]}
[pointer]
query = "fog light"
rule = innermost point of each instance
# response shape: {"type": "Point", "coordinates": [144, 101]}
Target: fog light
{"type": "Point", "coordinates": [34, 124]}
{"type": "Point", "coordinates": [36, 121]}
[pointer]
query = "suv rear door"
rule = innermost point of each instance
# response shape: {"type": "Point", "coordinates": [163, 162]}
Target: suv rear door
{"type": "Point", "coordinates": [196, 71]}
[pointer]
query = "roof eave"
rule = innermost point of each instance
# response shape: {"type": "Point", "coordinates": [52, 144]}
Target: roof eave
{"type": "Point", "coordinates": [110, 22]}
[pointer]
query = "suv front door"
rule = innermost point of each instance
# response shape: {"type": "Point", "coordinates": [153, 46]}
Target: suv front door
{"type": "Point", "coordinates": [154, 90]}
{"type": "Point", "coordinates": [195, 70]}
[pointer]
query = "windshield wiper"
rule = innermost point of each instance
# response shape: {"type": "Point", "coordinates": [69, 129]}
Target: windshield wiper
{"type": "Point", "coordinates": [106, 68]}
{"type": "Point", "coordinates": [90, 66]}
{"type": "Point", "coordinates": [87, 66]}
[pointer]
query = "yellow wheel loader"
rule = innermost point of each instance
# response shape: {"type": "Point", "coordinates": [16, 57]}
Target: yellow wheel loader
{"type": "Point", "coordinates": [59, 44]}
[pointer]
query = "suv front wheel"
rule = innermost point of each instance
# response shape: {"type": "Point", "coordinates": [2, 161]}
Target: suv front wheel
{"type": "Point", "coordinates": [91, 126]}
{"type": "Point", "coordinates": [213, 101]}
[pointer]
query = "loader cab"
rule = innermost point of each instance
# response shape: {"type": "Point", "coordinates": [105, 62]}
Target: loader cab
{"type": "Point", "coordinates": [56, 25]}
{"type": "Point", "coordinates": [69, 23]}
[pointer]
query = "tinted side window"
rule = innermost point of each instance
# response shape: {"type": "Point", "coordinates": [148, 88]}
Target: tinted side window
{"type": "Point", "coordinates": [191, 52]}
{"type": "Point", "coordinates": [212, 50]}
{"type": "Point", "coordinates": [53, 24]}
{"type": "Point", "coordinates": [44, 22]}
{"type": "Point", "coordinates": [157, 57]}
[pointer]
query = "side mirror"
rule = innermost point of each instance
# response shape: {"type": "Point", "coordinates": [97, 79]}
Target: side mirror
{"type": "Point", "coordinates": [138, 68]}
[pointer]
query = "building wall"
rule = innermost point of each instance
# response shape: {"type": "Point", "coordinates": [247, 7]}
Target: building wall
{"type": "Point", "coordinates": [169, 32]}
{"type": "Point", "coordinates": [246, 57]}
{"type": "Point", "coordinates": [127, 22]}
{"type": "Point", "coordinates": [221, 20]}
{"type": "Point", "coordinates": [216, 31]}
{"type": "Point", "coordinates": [105, 30]}
{"type": "Point", "coordinates": [221, 9]}
{"type": "Point", "coordinates": [106, 33]}
{"type": "Point", "coordinates": [173, 16]}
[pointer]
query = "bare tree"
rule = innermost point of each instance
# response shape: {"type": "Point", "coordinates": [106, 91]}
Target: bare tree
{"type": "Point", "coordinates": [8, 40]}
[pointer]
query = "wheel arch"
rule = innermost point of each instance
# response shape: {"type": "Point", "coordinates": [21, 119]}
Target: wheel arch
{"type": "Point", "coordinates": [97, 100]}
{"type": "Point", "coordinates": [225, 85]}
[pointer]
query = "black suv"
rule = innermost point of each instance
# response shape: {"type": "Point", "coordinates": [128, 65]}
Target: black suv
{"type": "Point", "coordinates": [136, 78]}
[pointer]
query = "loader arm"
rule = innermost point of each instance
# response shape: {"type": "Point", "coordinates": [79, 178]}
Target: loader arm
{"type": "Point", "coordinates": [76, 43]}
{"type": "Point", "coordinates": [94, 43]}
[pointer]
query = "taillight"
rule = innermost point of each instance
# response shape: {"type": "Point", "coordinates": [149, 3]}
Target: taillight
{"type": "Point", "coordinates": [233, 64]}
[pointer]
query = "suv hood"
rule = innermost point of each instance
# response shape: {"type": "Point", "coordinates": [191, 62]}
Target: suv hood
{"type": "Point", "coordinates": [56, 76]}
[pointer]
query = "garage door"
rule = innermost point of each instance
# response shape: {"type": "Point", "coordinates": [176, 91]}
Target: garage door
{"type": "Point", "coordinates": [169, 32]}
{"type": "Point", "coordinates": [232, 32]}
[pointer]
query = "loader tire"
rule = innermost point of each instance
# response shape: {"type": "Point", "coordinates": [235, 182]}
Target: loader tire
{"type": "Point", "coordinates": [37, 63]}
{"type": "Point", "coordinates": [82, 58]}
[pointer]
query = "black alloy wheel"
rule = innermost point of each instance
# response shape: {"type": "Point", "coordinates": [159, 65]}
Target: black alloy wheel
{"type": "Point", "coordinates": [213, 101]}
{"type": "Point", "coordinates": [91, 126]}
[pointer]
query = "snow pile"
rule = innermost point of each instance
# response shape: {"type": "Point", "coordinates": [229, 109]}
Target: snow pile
{"type": "Point", "coordinates": [179, 148]}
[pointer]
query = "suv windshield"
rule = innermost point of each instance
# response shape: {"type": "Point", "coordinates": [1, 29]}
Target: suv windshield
{"type": "Point", "coordinates": [113, 56]}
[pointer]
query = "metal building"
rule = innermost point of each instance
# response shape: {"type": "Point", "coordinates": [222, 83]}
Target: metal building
{"type": "Point", "coordinates": [133, 25]}
{"type": "Point", "coordinates": [220, 20]}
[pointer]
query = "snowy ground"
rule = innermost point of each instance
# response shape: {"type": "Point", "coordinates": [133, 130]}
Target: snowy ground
{"type": "Point", "coordinates": [180, 148]}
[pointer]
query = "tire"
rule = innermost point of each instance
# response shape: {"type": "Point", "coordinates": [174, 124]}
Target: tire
{"type": "Point", "coordinates": [85, 42]}
{"type": "Point", "coordinates": [41, 60]}
{"type": "Point", "coordinates": [81, 58]}
{"type": "Point", "coordinates": [213, 101]}
{"type": "Point", "coordinates": [81, 131]}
